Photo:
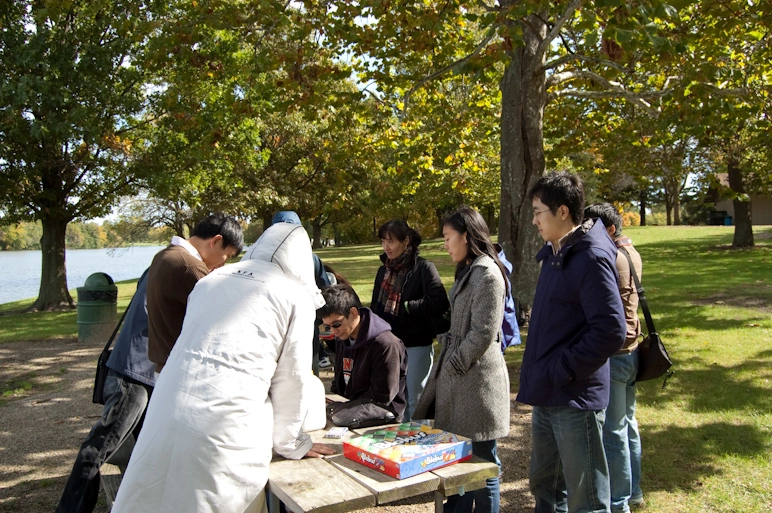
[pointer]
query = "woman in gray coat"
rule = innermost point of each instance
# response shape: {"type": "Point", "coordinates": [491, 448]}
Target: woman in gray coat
{"type": "Point", "coordinates": [468, 388]}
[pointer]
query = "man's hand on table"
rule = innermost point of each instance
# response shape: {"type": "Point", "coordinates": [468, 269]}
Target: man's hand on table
{"type": "Point", "coordinates": [319, 451]}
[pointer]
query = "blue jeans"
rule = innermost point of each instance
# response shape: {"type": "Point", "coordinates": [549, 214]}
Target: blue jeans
{"type": "Point", "coordinates": [484, 500]}
{"type": "Point", "coordinates": [125, 403]}
{"type": "Point", "coordinates": [568, 464]}
{"type": "Point", "coordinates": [620, 434]}
{"type": "Point", "coordinates": [419, 363]}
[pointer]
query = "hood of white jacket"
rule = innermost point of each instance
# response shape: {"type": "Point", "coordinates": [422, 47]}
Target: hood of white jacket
{"type": "Point", "coordinates": [286, 245]}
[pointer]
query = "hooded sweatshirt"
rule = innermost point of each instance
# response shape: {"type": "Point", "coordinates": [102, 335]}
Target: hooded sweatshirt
{"type": "Point", "coordinates": [374, 367]}
{"type": "Point", "coordinates": [233, 387]}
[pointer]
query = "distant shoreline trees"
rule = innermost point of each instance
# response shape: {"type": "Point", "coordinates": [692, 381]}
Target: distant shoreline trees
{"type": "Point", "coordinates": [89, 235]}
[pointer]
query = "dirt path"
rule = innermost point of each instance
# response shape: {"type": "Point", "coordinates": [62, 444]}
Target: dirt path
{"type": "Point", "coordinates": [46, 412]}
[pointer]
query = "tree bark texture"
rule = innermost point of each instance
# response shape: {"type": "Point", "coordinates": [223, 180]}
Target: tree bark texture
{"type": "Point", "coordinates": [53, 293]}
{"type": "Point", "coordinates": [743, 224]}
{"type": "Point", "coordinates": [316, 228]}
{"type": "Point", "coordinates": [523, 97]}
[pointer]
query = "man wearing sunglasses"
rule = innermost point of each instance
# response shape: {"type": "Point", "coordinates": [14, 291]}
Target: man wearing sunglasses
{"type": "Point", "coordinates": [370, 361]}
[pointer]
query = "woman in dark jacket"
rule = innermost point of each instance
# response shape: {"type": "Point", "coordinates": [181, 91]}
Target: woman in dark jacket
{"type": "Point", "coordinates": [408, 293]}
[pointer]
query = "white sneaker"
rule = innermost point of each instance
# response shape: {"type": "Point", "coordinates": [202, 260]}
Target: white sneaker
{"type": "Point", "coordinates": [324, 362]}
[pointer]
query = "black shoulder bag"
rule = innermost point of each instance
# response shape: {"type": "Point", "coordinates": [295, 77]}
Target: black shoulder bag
{"type": "Point", "coordinates": [653, 359]}
{"type": "Point", "coordinates": [359, 413]}
{"type": "Point", "coordinates": [101, 370]}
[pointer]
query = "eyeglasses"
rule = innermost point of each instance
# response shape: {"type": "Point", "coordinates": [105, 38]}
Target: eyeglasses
{"type": "Point", "coordinates": [334, 325]}
{"type": "Point", "coordinates": [537, 212]}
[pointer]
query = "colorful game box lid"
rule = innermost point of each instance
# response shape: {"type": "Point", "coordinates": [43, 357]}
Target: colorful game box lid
{"type": "Point", "coordinates": [407, 449]}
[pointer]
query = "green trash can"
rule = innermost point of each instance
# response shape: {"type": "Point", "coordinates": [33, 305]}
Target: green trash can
{"type": "Point", "coordinates": [97, 308]}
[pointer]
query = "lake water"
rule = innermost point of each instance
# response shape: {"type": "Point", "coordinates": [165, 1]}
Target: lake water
{"type": "Point", "coordinates": [20, 270]}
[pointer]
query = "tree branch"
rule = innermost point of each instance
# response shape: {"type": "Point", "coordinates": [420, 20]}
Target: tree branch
{"type": "Point", "coordinates": [557, 27]}
{"type": "Point", "coordinates": [555, 63]}
{"type": "Point", "coordinates": [366, 89]}
{"type": "Point", "coordinates": [527, 24]}
{"type": "Point", "coordinates": [488, 8]}
{"type": "Point", "coordinates": [636, 98]}
{"type": "Point", "coordinates": [437, 74]}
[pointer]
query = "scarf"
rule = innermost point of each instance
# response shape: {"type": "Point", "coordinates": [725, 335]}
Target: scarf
{"type": "Point", "coordinates": [394, 280]}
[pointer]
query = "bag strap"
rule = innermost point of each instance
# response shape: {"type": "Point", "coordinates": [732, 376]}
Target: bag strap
{"type": "Point", "coordinates": [641, 296]}
{"type": "Point", "coordinates": [117, 327]}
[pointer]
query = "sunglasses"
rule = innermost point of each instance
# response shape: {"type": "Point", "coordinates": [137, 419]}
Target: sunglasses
{"type": "Point", "coordinates": [334, 325]}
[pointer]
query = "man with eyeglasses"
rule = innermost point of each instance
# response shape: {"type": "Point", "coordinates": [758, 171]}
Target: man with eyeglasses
{"type": "Point", "coordinates": [577, 323]}
{"type": "Point", "coordinates": [370, 361]}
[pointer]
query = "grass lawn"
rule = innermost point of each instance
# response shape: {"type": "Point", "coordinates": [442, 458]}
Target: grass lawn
{"type": "Point", "coordinates": [707, 437]}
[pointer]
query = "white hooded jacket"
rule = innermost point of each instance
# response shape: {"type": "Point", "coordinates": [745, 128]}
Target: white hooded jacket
{"type": "Point", "coordinates": [233, 386]}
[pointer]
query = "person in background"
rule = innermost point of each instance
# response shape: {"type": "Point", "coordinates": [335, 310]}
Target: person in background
{"type": "Point", "coordinates": [621, 438]}
{"type": "Point", "coordinates": [577, 324]}
{"type": "Point", "coordinates": [468, 388]}
{"type": "Point", "coordinates": [370, 361]}
{"type": "Point", "coordinates": [232, 387]}
{"type": "Point", "coordinates": [320, 360]}
{"type": "Point", "coordinates": [127, 390]}
{"type": "Point", "coordinates": [334, 277]}
{"type": "Point", "coordinates": [408, 292]}
{"type": "Point", "coordinates": [176, 270]}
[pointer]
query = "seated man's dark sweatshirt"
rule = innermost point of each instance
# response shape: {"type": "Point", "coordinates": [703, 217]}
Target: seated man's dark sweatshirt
{"type": "Point", "coordinates": [374, 367]}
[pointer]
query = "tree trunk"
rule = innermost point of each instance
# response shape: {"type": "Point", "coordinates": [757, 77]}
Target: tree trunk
{"type": "Point", "coordinates": [53, 294]}
{"type": "Point", "coordinates": [677, 209]}
{"type": "Point", "coordinates": [316, 228]}
{"type": "Point", "coordinates": [743, 224]}
{"type": "Point", "coordinates": [490, 219]}
{"type": "Point", "coordinates": [336, 234]}
{"type": "Point", "coordinates": [523, 97]}
{"type": "Point", "coordinates": [643, 207]}
{"type": "Point", "coordinates": [267, 220]}
{"type": "Point", "coordinates": [179, 227]}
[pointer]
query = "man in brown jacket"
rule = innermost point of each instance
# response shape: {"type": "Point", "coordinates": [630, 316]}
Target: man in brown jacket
{"type": "Point", "coordinates": [621, 439]}
{"type": "Point", "coordinates": [176, 270]}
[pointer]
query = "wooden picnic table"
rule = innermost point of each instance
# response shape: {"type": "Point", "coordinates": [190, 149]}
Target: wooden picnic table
{"type": "Point", "coordinates": [335, 484]}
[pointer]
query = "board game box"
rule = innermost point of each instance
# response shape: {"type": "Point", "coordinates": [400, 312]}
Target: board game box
{"type": "Point", "coordinates": [407, 449]}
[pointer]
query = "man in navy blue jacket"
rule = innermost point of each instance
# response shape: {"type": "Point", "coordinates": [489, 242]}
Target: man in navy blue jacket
{"type": "Point", "coordinates": [577, 323]}
{"type": "Point", "coordinates": [127, 390]}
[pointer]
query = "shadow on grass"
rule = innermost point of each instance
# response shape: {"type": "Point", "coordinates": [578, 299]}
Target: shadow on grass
{"type": "Point", "coordinates": [715, 388]}
{"type": "Point", "coordinates": [679, 455]}
{"type": "Point", "coordinates": [31, 495]}
{"type": "Point", "coordinates": [704, 318]}
{"type": "Point", "coordinates": [679, 458]}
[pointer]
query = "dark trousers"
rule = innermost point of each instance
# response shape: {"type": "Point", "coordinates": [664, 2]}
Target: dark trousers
{"type": "Point", "coordinates": [125, 404]}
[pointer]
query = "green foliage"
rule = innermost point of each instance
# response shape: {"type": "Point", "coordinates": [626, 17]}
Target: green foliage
{"type": "Point", "coordinates": [71, 83]}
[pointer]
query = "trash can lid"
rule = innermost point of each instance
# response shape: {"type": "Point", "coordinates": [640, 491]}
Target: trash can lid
{"type": "Point", "coordinates": [99, 281]}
